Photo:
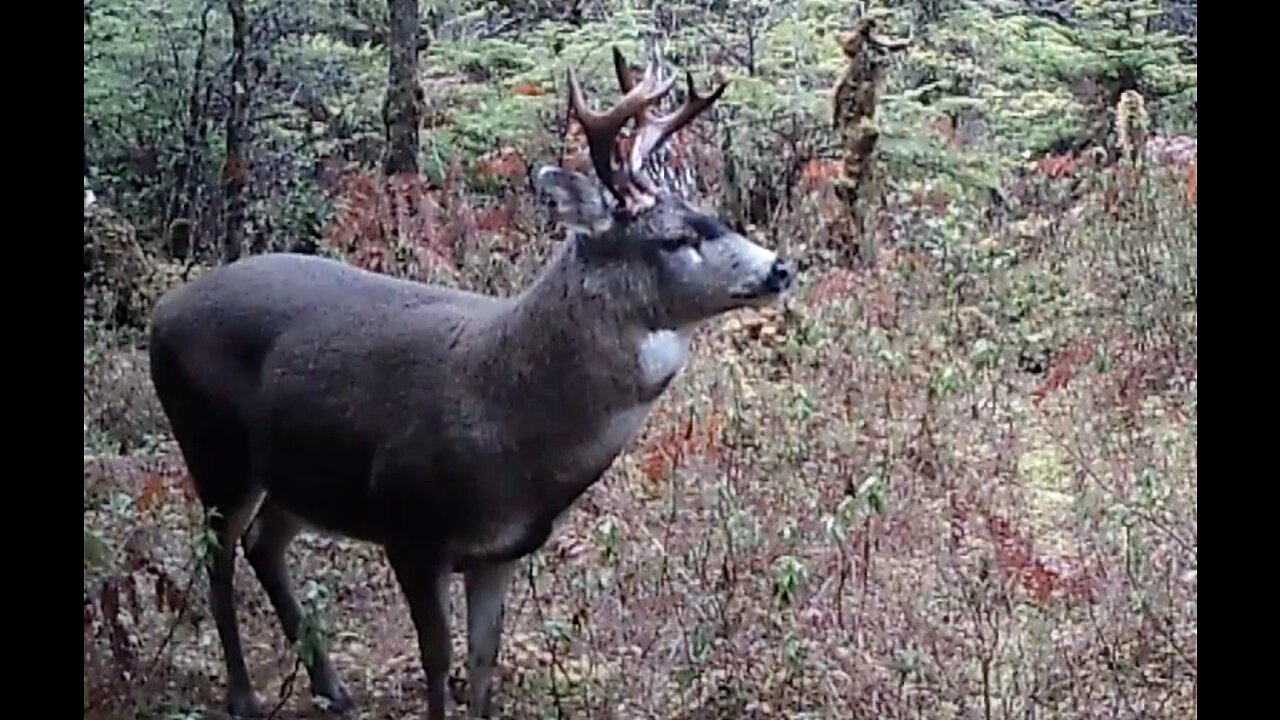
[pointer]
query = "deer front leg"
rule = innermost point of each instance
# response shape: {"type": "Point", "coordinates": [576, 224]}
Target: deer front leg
{"type": "Point", "coordinates": [425, 584]}
{"type": "Point", "coordinates": [486, 595]}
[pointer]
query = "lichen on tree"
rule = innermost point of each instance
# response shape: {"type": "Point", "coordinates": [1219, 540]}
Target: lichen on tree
{"type": "Point", "coordinates": [854, 102]}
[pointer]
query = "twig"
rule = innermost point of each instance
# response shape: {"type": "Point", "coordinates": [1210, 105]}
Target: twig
{"type": "Point", "coordinates": [192, 568]}
{"type": "Point", "coordinates": [1111, 661]}
{"type": "Point", "coordinates": [173, 626]}
{"type": "Point", "coordinates": [555, 658]}
{"type": "Point", "coordinates": [286, 688]}
{"type": "Point", "coordinates": [1160, 624]}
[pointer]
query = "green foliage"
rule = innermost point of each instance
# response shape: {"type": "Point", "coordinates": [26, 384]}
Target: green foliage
{"type": "Point", "coordinates": [1019, 77]}
{"type": "Point", "coordinates": [1041, 368]}
{"type": "Point", "coordinates": [136, 54]}
{"type": "Point", "coordinates": [1012, 80]}
{"type": "Point", "coordinates": [95, 548]}
{"type": "Point", "coordinates": [138, 58]}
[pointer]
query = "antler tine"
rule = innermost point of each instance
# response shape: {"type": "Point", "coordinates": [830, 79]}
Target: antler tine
{"type": "Point", "coordinates": [625, 81]}
{"type": "Point", "coordinates": [602, 128]}
{"type": "Point", "coordinates": [652, 131]}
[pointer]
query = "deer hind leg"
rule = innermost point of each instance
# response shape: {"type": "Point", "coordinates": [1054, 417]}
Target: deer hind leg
{"type": "Point", "coordinates": [241, 701]}
{"type": "Point", "coordinates": [265, 546]}
{"type": "Point", "coordinates": [486, 596]}
{"type": "Point", "coordinates": [425, 584]}
{"type": "Point", "coordinates": [211, 436]}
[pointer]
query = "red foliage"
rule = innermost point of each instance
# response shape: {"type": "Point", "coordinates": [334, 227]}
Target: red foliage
{"type": "Point", "coordinates": [690, 150]}
{"type": "Point", "coordinates": [818, 173]}
{"type": "Point", "coordinates": [880, 304]}
{"type": "Point", "coordinates": [1142, 369]}
{"type": "Point", "coordinates": [527, 89]}
{"type": "Point", "coordinates": [1043, 577]}
{"type": "Point", "coordinates": [882, 307]}
{"type": "Point", "coordinates": [152, 492]}
{"type": "Point", "coordinates": [816, 178]}
{"type": "Point", "coordinates": [1062, 370]}
{"type": "Point", "coordinates": [835, 284]}
{"type": "Point", "coordinates": [157, 488]}
{"type": "Point", "coordinates": [506, 163]}
{"type": "Point", "coordinates": [1191, 183]}
{"type": "Point", "coordinates": [1057, 166]}
{"type": "Point", "coordinates": [671, 448]}
{"type": "Point", "coordinates": [495, 218]}
{"type": "Point", "coordinates": [386, 224]}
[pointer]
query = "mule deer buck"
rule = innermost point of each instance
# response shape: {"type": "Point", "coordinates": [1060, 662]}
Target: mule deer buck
{"type": "Point", "coordinates": [451, 428]}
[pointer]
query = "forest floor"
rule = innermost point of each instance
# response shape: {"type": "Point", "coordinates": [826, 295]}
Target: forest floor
{"type": "Point", "coordinates": [887, 499]}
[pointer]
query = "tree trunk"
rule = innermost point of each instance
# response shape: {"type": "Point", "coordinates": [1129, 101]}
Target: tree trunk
{"type": "Point", "coordinates": [182, 207]}
{"type": "Point", "coordinates": [403, 106]}
{"type": "Point", "coordinates": [235, 173]}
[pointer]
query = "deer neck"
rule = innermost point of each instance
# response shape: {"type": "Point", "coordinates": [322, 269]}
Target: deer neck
{"type": "Point", "coordinates": [574, 328]}
{"type": "Point", "coordinates": [589, 366]}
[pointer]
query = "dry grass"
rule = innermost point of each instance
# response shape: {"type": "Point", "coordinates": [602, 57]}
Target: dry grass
{"type": "Point", "coordinates": [961, 484]}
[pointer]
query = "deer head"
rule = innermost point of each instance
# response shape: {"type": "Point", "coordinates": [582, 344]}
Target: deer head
{"type": "Point", "coordinates": [671, 261]}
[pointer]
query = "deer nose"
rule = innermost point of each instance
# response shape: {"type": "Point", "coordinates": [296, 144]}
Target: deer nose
{"type": "Point", "coordinates": [779, 275]}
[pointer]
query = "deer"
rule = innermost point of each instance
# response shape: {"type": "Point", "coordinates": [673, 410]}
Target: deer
{"type": "Point", "coordinates": [451, 428]}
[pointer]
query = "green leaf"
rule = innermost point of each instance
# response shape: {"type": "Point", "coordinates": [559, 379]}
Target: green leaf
{"type": "Point", "coordinates": [95, 549]}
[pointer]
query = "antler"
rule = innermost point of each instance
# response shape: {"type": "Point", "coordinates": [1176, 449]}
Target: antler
{"type": "Point", "coordinates": [602, 128]}
{"type": "Point", "coordinates": [652, 131]}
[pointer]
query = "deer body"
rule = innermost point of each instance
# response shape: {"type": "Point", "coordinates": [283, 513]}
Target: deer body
{"type": "Point", "coordinates": [449, 427]}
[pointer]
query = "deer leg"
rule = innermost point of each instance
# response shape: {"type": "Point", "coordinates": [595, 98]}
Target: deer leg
{"type": "Point", "coordinates": [486, 595]}
{"type": "Point", "coordinates": [425, 584]}
{"type": "Point", "coordinates": [241, 701]}
{"type": "Point", "coordinates": [265, 547]}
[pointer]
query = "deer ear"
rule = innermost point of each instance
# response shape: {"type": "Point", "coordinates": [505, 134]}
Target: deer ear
{"type": "Point", "coordinates": [577, 201]}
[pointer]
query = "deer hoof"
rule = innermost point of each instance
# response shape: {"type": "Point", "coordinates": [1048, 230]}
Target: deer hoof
{"type": "Point", "coordinates": [244, 705]}
{"type": "Point", "coordinates": [335, 697]}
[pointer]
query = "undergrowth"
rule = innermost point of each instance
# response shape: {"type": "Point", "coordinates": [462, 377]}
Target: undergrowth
{"type": "Point", "coordinates": [962, 480]}
{"type": "Point", "coordinates": [957, 478]}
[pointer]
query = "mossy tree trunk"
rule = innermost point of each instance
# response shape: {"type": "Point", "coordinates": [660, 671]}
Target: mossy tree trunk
{"type": "Point", "coordinates": [403, 107]}
{"type": "Point", "coordinates": [856, 97]}
{"type": "Point", "coordinates": [182, 206]}
{"type": "Point", "coordinates": [235, 172]}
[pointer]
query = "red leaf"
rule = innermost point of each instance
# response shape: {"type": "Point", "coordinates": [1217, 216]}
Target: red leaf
{"type": "Point", "coordinates": [152, 492]}
{"type": "Point", "coordinates": [527, 89]}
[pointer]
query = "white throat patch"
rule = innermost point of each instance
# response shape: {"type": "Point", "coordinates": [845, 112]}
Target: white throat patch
{"type": "Point", "coordinates": [662, 353]}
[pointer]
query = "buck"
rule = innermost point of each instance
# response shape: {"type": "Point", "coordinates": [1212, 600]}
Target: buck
{"type": "Point", "coordinates": [451, 428]}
